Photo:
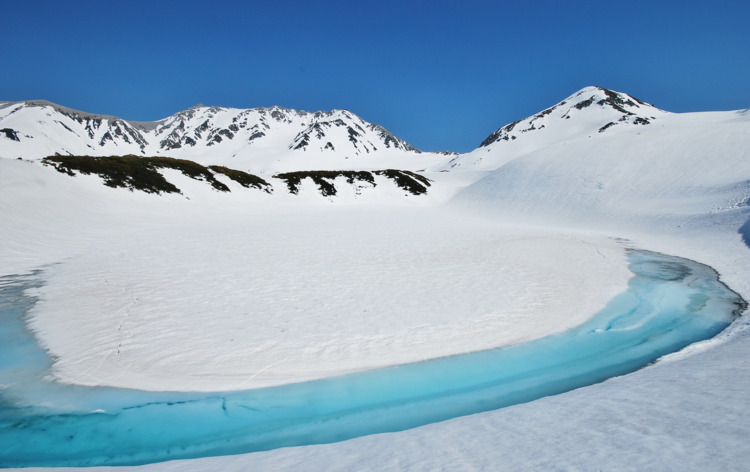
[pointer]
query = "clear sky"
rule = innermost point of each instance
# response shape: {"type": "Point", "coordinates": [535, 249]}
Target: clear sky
{"type": "Point", "coordinates": [439, 74]}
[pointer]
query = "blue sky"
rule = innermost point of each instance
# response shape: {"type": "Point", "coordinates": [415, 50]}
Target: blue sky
{"type": "Point", "coordinates": [439, 74]}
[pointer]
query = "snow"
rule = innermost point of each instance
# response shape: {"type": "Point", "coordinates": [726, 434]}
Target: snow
{"type": "Point", "coordinates": [245, 289]}
{"type": "Point", "coordinates": [265, 296]}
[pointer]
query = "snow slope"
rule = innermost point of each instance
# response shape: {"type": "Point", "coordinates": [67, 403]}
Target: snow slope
{"type": "Point", "coordinates": [533, 239]}
{"type": "Point", "coordinates": [686, 169]}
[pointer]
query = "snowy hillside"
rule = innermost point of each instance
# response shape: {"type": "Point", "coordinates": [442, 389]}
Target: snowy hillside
{"type": "Point", "coordinates": [248, 139]}
{"type": "Point", "coordinates": [682, 170]}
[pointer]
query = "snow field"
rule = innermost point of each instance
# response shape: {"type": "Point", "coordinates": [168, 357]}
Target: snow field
{"type": "Point", "coordinates": [177, 294]}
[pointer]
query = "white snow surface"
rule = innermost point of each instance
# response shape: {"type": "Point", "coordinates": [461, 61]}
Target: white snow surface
{"type": "Point", "coordinates": [532, 242]}
{"type": "Point", "coordinates": [174, 294]}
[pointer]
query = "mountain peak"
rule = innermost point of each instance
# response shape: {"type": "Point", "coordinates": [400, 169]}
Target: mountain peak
{"type": "Point", "coordinates": [592, 107]}
{"type": "Point", "coordinates": [601, 96]}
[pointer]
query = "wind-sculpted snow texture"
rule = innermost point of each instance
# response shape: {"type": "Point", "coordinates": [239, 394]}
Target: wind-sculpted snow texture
{"type": "Point", "coordinates": [522, 237]}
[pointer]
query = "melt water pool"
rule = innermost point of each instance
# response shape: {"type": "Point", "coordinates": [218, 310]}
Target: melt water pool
{"type": "Point", "coordinates": [670, 303]}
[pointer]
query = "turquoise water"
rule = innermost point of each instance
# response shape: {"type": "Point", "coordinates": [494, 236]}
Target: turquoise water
{"type": "Point", "coordinates": [669, 303]}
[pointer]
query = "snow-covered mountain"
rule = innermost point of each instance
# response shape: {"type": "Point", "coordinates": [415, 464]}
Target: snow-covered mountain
{"type": "Point", "coordinates": [616, 162]}
{"type": "Point", "coordinates": [588, 113]}
{"type": "Point", "coordinates": [249, 139]}
{"type": "Point", "coordinates": [202, 128]}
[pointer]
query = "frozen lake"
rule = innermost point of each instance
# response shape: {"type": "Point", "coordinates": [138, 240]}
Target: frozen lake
{"type": "Point", "coordinates": [670, 303]}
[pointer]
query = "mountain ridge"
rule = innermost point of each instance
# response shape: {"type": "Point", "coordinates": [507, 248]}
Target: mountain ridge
{"type": "Point", "coordinates": [44, 128]}
{"type": "Point", "coordinates": [274, 139]}
{"type": "Point", "coordinates": [201, 127]}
